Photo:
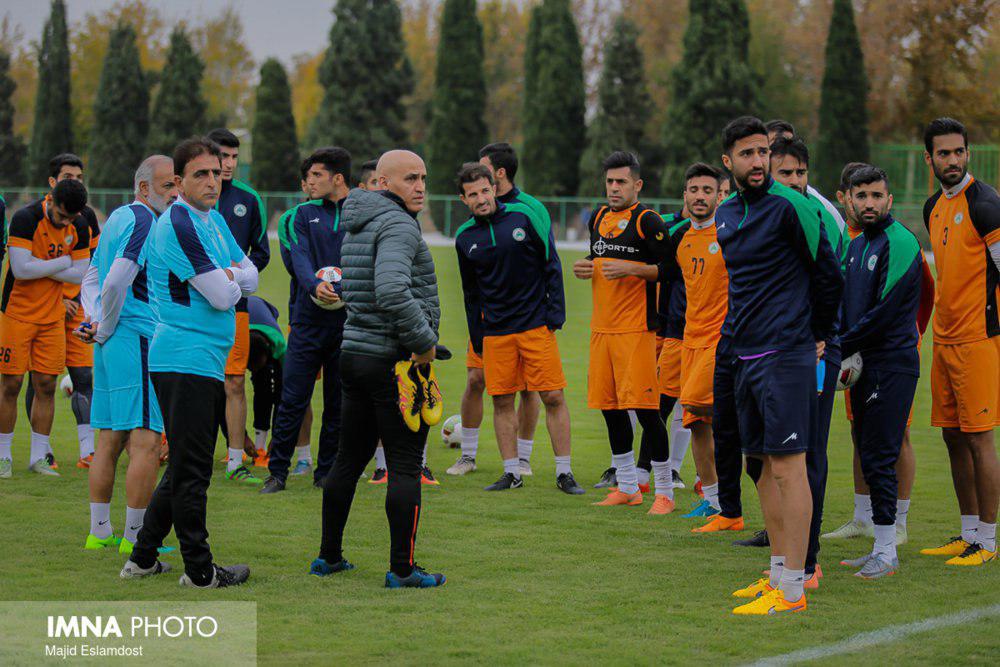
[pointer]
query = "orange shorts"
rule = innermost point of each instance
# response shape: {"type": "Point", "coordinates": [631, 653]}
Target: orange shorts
{"type": "Point", "coordinates": [965, 385]}
{"type": "Point", "coordinates": [668, 367]}
{"type": "Point", "coordinates": [78, 353]}
{"type": "Point", "coordinates": [622, 372]}
{"type": "Point", "coordinates": [239, 354]}
{"type": "Point", "coordinates": [659, 345]}
{"type": "Point", "coordinates": [26, 346]}
{"type": "Point", "coordinates": [527, 360]}
{"type": "Point", "coordinates": [697, 377]}
{"type": "Point", "coordinates": [473, 360]}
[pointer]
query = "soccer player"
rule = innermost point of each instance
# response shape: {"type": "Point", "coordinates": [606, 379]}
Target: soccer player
{"type": "Point", "coordinates": [963, 218]}
{"type": "Point", "coordinates": [501, 159]}
{"type": "Point", "coordinates": [48, 244]}
{"type": "Point", "coordinates": [120, 324]}
{"type": "Point", "coordinates": [782, 128]}
{"type": "Point", "coordinates": [784, 295]}
{"type": "Point", "coordinates": [316, 332]}
{"type": "Point", "coordinates": [514, 302]}
{"type": "Point", "coordinates": [368, 180]}
{"type": "Point", "coordinates": [244, 213]}
{"type": "Point", "coordinates": [884, 276]}
{"type": "Point", "coordinates": [198, 274]}
{"type": "Point", "coordinates": [627, 241]}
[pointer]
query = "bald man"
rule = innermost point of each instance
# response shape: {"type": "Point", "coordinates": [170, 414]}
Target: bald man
{"type": "Point", "coordinates": [392, 315]}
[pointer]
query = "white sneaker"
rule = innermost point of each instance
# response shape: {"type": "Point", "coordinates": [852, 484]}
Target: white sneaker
{"type": "Point", "coordinates": [525, 468]}
{"type": "Point", "coordinates": [6, 468]}
{"type": "Point", "coordinates": [42, 467]}
{"type": "Point", "coordinates": [133, 571]}
{"type": "Point", "coordinates": [901, 536]}
{"type": "Point", "coordinates": [464, 464]}
{"type": "Point", "coordinates": [851, 529]}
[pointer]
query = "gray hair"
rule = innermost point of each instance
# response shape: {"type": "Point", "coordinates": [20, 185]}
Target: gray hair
{"type": "Point", "coordinates": [145, 170]}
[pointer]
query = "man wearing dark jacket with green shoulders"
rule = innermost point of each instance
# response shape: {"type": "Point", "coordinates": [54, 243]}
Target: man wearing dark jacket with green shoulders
{"type": "Point", "coordinates": [393, 314]}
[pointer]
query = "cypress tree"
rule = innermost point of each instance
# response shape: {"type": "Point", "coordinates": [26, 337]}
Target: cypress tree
{"type": "Point", "coordinates": [179, 109]}
{"type": "Point", "coordinates": [365, 75]}
{"type": "Point", "coordinates": [121, 114]}
{"type": "Point", "coordinates": [712, 85]}
{"type": "Point", "coordinates": [11, 146]}
{"type": "Point", "coordinates": [843, 112]}
{"type": "Point", "coordinates": [623, 106]}
{"type": "Point", "coordinates": [52, 131]}
{"type": "Point", "coordinates": [275, 148]}
{"type": "Point", "coordinates": [457, 125]}
{"type": "Point", "coordinates": [554, 100]}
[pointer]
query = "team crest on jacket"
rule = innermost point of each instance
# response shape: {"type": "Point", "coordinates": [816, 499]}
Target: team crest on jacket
{"type": "Point", "coordinates": [871, 262]}
{"type": "Point", "coordinates": [240, 210]}
{"type": "Point", "coordinates": [518, 234]}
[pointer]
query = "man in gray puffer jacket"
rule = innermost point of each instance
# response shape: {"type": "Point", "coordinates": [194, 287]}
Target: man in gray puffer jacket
{"type": "Point", "coordinates": [392, 315]}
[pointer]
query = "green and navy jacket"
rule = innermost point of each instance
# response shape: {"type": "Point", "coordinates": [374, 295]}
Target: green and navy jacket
{"type": "Point", "coordinates": [285, 251]}
{"type": "Point", "coordinates": [511, 275]}
{"type": "Point", "coordinates": [785, 281]}
{"type": "Point", "coordinates": [882, 297]}
{"type": "Point", "coordinates": [244, 213]}
{"type": "Point", "coordinates": [264, 318]}
{"type": "Point", "coordinates": [314, 238]}
{"type": "Point", "coordinates": [671, 305]}
{"type": "Point", "coordinates": [838, 241]}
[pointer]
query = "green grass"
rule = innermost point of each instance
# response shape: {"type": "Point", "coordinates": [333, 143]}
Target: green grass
{"type": "Point", "coordinates": [534, 576]}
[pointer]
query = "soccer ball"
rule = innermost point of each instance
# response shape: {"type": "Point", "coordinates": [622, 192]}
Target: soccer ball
{"type": "Point", "coordinates": [850, 371]}
{"type": "Point", "coordinates": [451, 431]}
{"type": "Point", "coordinates": [332, 275]}
{"type": "Point", "coordinates": [66, 385]}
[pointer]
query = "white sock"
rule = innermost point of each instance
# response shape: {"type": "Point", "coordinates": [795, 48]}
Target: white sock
{"type": "Point", "coordinates": [791, 584]}
{"type": "Point", "coordinates": [6, 442]}
{"type": "Point", "coordinates": [777, 567]}
{"type": "Point", "coordinates": [663, 478]}
{"type": "Point", "coordinates": [513, 466]}
{"type": "Point", "coordinates": [524, 448]}
{"type": "Point", "coordinates": [85, 434]}
{"type": "Point", "coordinates": [235, 459]}
{"type": "Point", "coordinates": [863, 508]}
{"type": "Point", "coordinates": [970, 522]}
{"type": "Point", "coordinates": [711, 492]}
{"type": "Point", "coordinates": [902, 510]}
{"type": "Point", "coordinates": [986, 536]}
{"type": "Point", "coordinates": [885, 542]}
{"type": "Point", "coordinates": [100, 520]}
{"type": "Point", "coordinates": [470, 442]}
{"type": "Point", "coordinates": [379, 459]}
{"type": "Point", "coordinates": [628, 481]}
{"type": "Point", "coordinates": [680, 438]}
{"type": "Point", "coordinates": [562, 465]}
{"type": "Point", "coordinates": [302, 453]}
{"type": "Point", "coordinates": [260, 439]}
{"type": "Point", "coordinates": [642, 474]}
{"type": "Point", "coordinates": [423, 461]}
{"type": "Point", "coordinates": [133, 523]}
{"type": "Point", "coordinates": [39, 447]}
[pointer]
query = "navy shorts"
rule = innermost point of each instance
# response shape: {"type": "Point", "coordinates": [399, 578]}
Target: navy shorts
{"type": "Point", "coordinates": [776, 401]}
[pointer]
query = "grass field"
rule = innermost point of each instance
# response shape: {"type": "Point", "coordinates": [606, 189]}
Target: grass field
{"type": "Point", "coordinates": [534, 576]}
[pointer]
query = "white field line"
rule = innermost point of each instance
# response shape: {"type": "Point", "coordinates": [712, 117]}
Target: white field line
{"type": "Point", "coordinates": [884, 635]}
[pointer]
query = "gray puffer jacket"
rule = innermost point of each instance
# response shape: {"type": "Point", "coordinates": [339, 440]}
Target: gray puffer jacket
{"type": "Point", "coordinates": [388, 279]}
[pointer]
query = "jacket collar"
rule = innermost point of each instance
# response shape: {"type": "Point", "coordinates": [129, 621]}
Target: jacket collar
{"type": "Point", "coordinates": [754, 195]}
{"type": "Point", "coordinates": [873, 230]}
{"type": "Point", "coordinates": [396, 199]}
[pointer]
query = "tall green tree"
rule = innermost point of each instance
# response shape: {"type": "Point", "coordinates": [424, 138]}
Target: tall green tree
{"type": "Point", "coordinates": [52, 131]}
{"type": "Point", "coordinates": [623, 106]}
{"type": "Point", "coordinates": [843, 112]}
{"type": "Point", "coordinates": [275, 148]}
{"type": "Point", "coordinates": [121, 113]}
{"type": "Point", "coordinates": [554, 101]}
{"type": "Point", "coordinates": [712, 85]}
{"type": "Point", "coordinates": [457, 125]}
{"type": "Point", "coordinates": [11, 145]}
{"type": "Point", "coordinates": [366, 77]}
{"type": "Point", "coordinates": [179, 109]}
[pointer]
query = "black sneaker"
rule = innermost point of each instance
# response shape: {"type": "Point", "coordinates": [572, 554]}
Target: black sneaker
{"type": "Point", "coordinates": [272, 485]}
{"type": "Point", "coordinates": [379, 476]}
{"type": "Point", "coordinates": [608, 479]}
{"type": "Point", "coordinates": [759, 539]}
{"type": "Point", "coordinates": [427, 477]}
{"type": "Point", "coordinates": [506, 481]}
{"type": "Point", "coordinates": [567, 484]}
{"type": "Point", "coordinates": [223, 577]}
{"type": "Point", "coordinates": [678, 481]}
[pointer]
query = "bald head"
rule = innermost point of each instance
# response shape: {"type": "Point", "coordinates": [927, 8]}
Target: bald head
{"type": "Point", "coordinates": [154, 182]}
{"type": "Point", "coordinates": [403, 173]}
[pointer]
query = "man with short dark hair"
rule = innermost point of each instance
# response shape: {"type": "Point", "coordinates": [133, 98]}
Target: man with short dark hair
{"type": "Point", "coordinates": [514, 302]}
{"type": "Point", "coordinates": [627, 241]}
{"type": "Point", "coordinates": [963, 218]}
{"type": "Point", "coordinates": [782, 129]}
{"type": "Point", "coordinates": [198, 274]}
{"type": "Point", "coordinates": [317, 318]}
{"type": "Point", "coordinates": [48, 245]}
{"type": "Point", "coordinates": [244, 213]}
{"type": "Point", "coordinates": [368, 179]}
